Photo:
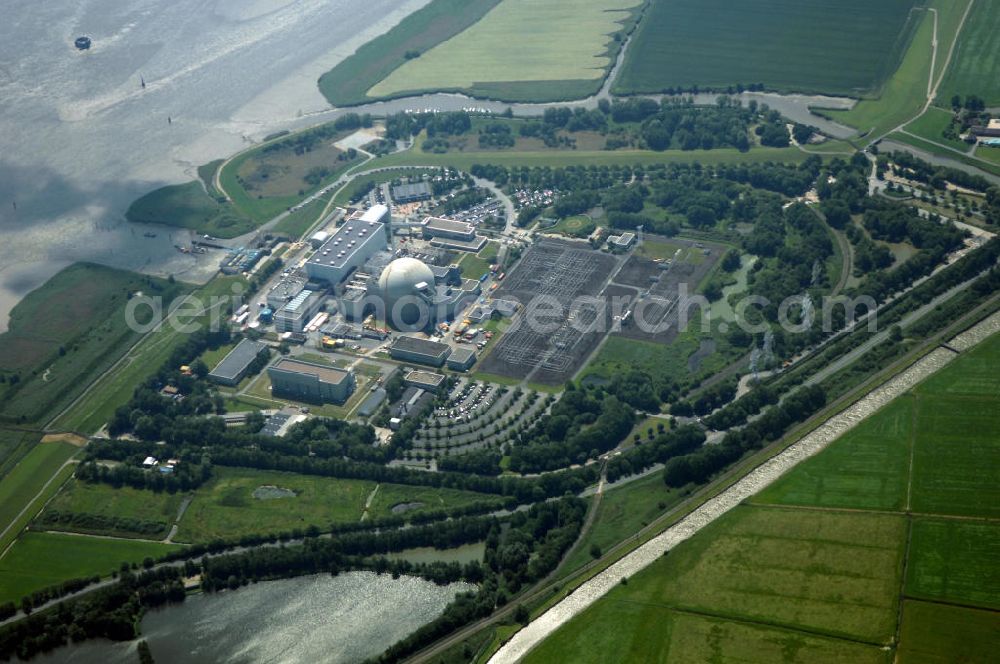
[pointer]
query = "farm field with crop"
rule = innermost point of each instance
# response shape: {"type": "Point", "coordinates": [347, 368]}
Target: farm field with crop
{"type": "Point", "coordinates": [518, 47]}
{"type": "Point", "coordinates": [826, 558]}
{"type": "Point", "coordinates": [40, 560]}
{"type": "Point", "coordinates": [975, 66]}
{"type": "Point", "coordinates": [845, 48]}
{"type": "Point", "coordinates": [24, 482]}
{"type": "Point", "coordinates": [905, 93]}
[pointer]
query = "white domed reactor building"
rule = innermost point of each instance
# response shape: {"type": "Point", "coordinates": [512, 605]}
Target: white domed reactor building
{"type": "Point", "coordinates": [415, 296]}
{"type": "Point", "coordinates": [407, 288]}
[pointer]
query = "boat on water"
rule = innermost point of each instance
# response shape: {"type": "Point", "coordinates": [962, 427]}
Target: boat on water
{"type": "Point", "coordinates": [82, 43]}
{"type": "Point", "coordinates": [147, 234]}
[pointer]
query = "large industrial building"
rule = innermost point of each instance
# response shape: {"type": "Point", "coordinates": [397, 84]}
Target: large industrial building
{"type": "Point", "coordinates": [296, 314]}
{"type": "Point", "coordinates": [411, 193]}
{"type": "Point", "coordinates": [359, 238]}
{"type": "Point", "coordinates": [235, 365]}
{"type": "Point", "coordinates": [415, 297]}
{"type": "Point", "coordinates": [452, 234]}
{"type": "Point", "coordinates": [420, 351]}
{"type": "Point", "coordinates": [313, 383]}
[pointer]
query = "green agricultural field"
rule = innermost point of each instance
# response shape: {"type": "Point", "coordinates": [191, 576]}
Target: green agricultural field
{"type": "Point", "coordinates": [125, 503]}
{"type": "Point", "coordinates": [846, 48]}
{"type": "Point", "coordinates": [14, 444]}
{"type": "Point", "coordinates": [972, 374]}
{"type": "Point", "coordinates": [23, 483]}
{"type": "Point", "coordinates": [903, 95]}
{"type": "Point", "coordinates": [39, 560]}
{"type": "Point", "coordinates": [975, 66]}
{"type": "Point", "coordinates": [954, 561]}
{"type": "Point", "coordinates": [989, 154]}
{"type": "Point", "coordinates": [867, 468]}
{"type": "Point", "coordinates": [520, 42]}
{"type": "Point", "coordinates": [956, 457]}
{"type": "Point", "coordinates": [348, 82]}
{"type": "Point", "coordinates": [65, 333]}
{"type": "Point", "coordinates": [619, 629]}
{"type": "Point", "coordinates": [820, 572]}
{"type": "Point", "coordinates": [188, 205]}
{"type": "Point", "coordinates": [942, 634]}
{"type": "Point", "coordinates": [932, 125]}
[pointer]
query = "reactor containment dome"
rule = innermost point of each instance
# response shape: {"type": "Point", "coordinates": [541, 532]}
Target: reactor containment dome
{"type": "Point", "coordinates": [406, 285]}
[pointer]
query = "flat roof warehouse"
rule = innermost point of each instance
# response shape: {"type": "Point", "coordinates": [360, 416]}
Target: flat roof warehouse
{"type": "Point", "coordinates": [338, 250]}
{"type": "Point", "coordinates": [325, 374]}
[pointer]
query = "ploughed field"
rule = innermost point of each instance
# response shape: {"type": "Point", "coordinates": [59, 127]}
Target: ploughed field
{"type": "Point", "coordinates": [881, 548]}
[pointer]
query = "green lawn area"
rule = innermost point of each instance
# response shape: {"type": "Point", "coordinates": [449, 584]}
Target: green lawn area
{"type": "Point", "coordinates": [122, 503]}
{"type": "Point", "coordinates": [39, 560]}
{"type": "Point", "coordinates": [20, 486]}
{"type": "Point", "coordinates": [474, 266]}
{"type": "Point", "coordinates": [975, 66]}
{"type": "Point", "coordinates": [579, 225]}
{"type": "Point", "coordinates": [66, 332]}
{"type": "Point", "coordinates": [932, 124]}
{"type": "Point", "coordinates": [988, 153]}
{"type": "Point", "coordinates": [14, 444]}
{"type": "Point", "coordinates": [945, 634]}
{"type": "Point", "coordinates": [954, 561]}
{"type": "Point", "coordinates": [264, 182]}
{"type": "Point", "coordinates": [623, 511]}
{"type": "Point", "coordinates": [297, 223]}
{"type": "Point", "coordinates": [843, 48]}
{"type": "Point", "coordinates": [225, 507]}
{"type": "Point", "coordinates": [390, 495]}
{"type": "Point", "coordinates": [188, 205]}
{"type": "Point", "coordinates": [519, 41]}
{"type": "Point", "coordinates": [867, 468]}
{"type": "Point", "coordinates": [116, 387]}
{"type": "Point", "coordinates": [348, 82]}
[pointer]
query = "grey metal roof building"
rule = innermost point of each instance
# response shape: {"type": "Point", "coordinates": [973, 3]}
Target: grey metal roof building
{"type": "Point", "coordinates": [421, 351]}
{"type": "Point", "coordinates": [371, 403]}
{"type": "Point", "coordinates": [425, 380]}
{"type": "Point", "coordinates": [461, 359]}
{"type": "Point", "coordinates": [310, 382]}
{"type": "Point", "coordinates": [358, 239]}
{"type": "Point", "coordinates": [410, 193]}
{"type": "Point", "coordinates": [234, 366]}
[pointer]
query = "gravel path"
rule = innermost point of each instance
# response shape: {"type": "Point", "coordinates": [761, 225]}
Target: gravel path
{"type": "Point", "coordinates": [584, 596]}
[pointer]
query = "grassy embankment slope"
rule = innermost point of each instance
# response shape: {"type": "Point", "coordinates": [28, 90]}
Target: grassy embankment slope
{"type": "Point", "coordinates": [523, 50]}
{"type": "Point", "coordinates": [881, 545]}
{"type": "Point", "coordinates": [846, 48]}
{"type": "Point", "coordinates": [63, 334]}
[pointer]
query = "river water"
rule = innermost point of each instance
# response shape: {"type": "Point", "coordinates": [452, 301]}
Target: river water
{"type": "Point", "coordinates": [335, 620]}
{"type": "Point", "coordinates": [80, 138]}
